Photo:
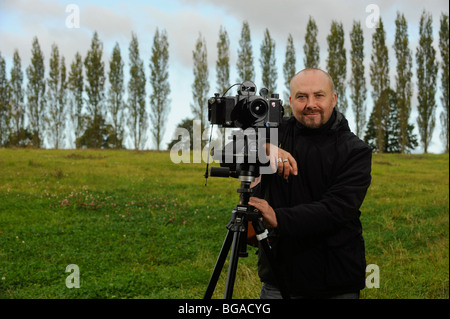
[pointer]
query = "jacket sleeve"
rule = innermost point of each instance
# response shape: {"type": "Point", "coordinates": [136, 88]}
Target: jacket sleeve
{"type": "Point", "coordinates": [339, 204]}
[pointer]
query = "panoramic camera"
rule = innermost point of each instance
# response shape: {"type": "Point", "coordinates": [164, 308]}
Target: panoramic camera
{"type": "Point", "coordinates": [255, 116]}
{"type": "Point", "coordinates": [246, 109]}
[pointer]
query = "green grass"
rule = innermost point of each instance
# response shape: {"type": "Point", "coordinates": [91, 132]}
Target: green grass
{"type": "Point", "coordinates": [139, 226]}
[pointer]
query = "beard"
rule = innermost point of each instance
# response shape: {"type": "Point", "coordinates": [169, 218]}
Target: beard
{"type": "Point", "coordinates": [312, 119]}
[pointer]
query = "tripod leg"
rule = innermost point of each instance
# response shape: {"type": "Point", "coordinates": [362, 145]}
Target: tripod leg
{"type": "Point", "coordinates": [219, 265]}
{"type": "Point", "coordinates": [232, 268]}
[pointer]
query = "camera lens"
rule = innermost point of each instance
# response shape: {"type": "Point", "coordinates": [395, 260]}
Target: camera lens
{"type": "Point", "coordinates": [258, 108]}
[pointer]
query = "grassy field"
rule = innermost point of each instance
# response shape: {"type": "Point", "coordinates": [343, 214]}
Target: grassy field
{"type": "Point", "coordinates": [139, 226]}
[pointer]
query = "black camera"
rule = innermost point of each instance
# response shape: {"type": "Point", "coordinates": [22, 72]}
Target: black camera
{"type": "Point", "coordinates": [246, 109]}
{"type": "Point", "coordinates": [257, 117]}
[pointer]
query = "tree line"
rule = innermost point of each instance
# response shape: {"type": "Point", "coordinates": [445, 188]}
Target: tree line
{"type": "Point", "coordinates": [77, 99]}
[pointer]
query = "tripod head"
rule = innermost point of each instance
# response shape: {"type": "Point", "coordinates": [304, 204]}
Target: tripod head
{"type": "Point", "coordinates": [241, 158]}
{"type": "Point", "coordinates": [243, 172]}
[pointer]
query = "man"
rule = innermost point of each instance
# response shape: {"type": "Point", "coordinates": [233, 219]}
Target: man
{"type": "Point", "coordinates": [312, 205]}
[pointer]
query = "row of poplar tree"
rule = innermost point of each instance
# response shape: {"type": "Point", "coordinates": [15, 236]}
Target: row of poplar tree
{"type": "Point", "coordinates": [388, 127]}
{"type": "Point", "coordinates": [78, 99]}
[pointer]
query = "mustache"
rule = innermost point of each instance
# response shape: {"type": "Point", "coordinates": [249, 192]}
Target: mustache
{"type": "Point", "coordinates": [312, 111]}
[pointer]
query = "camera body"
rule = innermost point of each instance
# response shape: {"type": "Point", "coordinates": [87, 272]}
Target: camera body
{"type": "Point", "coordinates": [246, 109]}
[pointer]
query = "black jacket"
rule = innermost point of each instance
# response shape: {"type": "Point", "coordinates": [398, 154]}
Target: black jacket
{"type": "Point", "coordinates": [318, 243]}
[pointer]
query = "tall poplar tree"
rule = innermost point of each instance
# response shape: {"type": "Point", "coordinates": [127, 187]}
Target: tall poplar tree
{"type": "Point", "coordinates": [427, 69]}
{"type": "Point", "coordinates": [55, 116]}
{"type": "Point", "coordinates": [159, 80]}
{"type": "Point", "coordinates": [95, 76]}
{"type": "Point", "coordinates": [4, 101]}
{"type": "Point", "coordinates": [403, 79]}
{"type": "Point", "coordinates": [379, 78]}
{"type": "Point", "coordinates": [337, 62]}
{"type": "Point", "coordinates": [223, 67]}
{"type": "Point", "coordinates": [379, 66]}
{"type": "Point", "coordinates": [200, 87]}
{"type": "Point", "coordinates": [138, 117]}
{"type": "Point", "coordinates": [268, 63]}
{"type": "Point", "coordinates": [76, 88]}
{"type": "Point", "coordinates": [116, 104]}
{"type": "Point", "coordinates": [16, 103]}
{"type": "Point", "coordinates": [223, 61]}
{"type": "Point", "coordinates": [443, 46]}
{"type": "Point", "coordinates": [94, 136]}
{"type": "Point", "coordinates": [36, 94]}
{"type": "Point", "coordinates": [358, 78]}
{"type": "Point", "coordinates": [311, 47]}
{"type": "Point", "coordinates": [289, 70]}
{"type": "Point", "coordinates": [245, 68]}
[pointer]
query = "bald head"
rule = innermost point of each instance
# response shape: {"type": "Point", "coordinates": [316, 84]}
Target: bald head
{"type": "Point", "coordinates": [307, 70]}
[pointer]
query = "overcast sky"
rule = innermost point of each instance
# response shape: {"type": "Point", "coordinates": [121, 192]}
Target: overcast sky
{"type": "Point", "coordinates": [184, 20]}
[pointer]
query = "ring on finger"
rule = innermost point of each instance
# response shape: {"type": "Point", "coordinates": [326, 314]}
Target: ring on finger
{"type": "Point", "coordinates": [285, 160]}
{"type": "Point", "coordinates": [279, 160]}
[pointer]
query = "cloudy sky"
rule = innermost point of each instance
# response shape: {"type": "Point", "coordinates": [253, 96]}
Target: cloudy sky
{"type": "Point", "coordinates": [184, 20]}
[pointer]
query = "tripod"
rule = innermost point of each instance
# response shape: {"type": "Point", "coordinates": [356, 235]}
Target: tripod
{"type": "Point", "coordinates": [236, 237]}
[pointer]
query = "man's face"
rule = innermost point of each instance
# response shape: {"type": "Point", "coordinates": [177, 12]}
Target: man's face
{"type": "Point", "coordinates": [312, 99]}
